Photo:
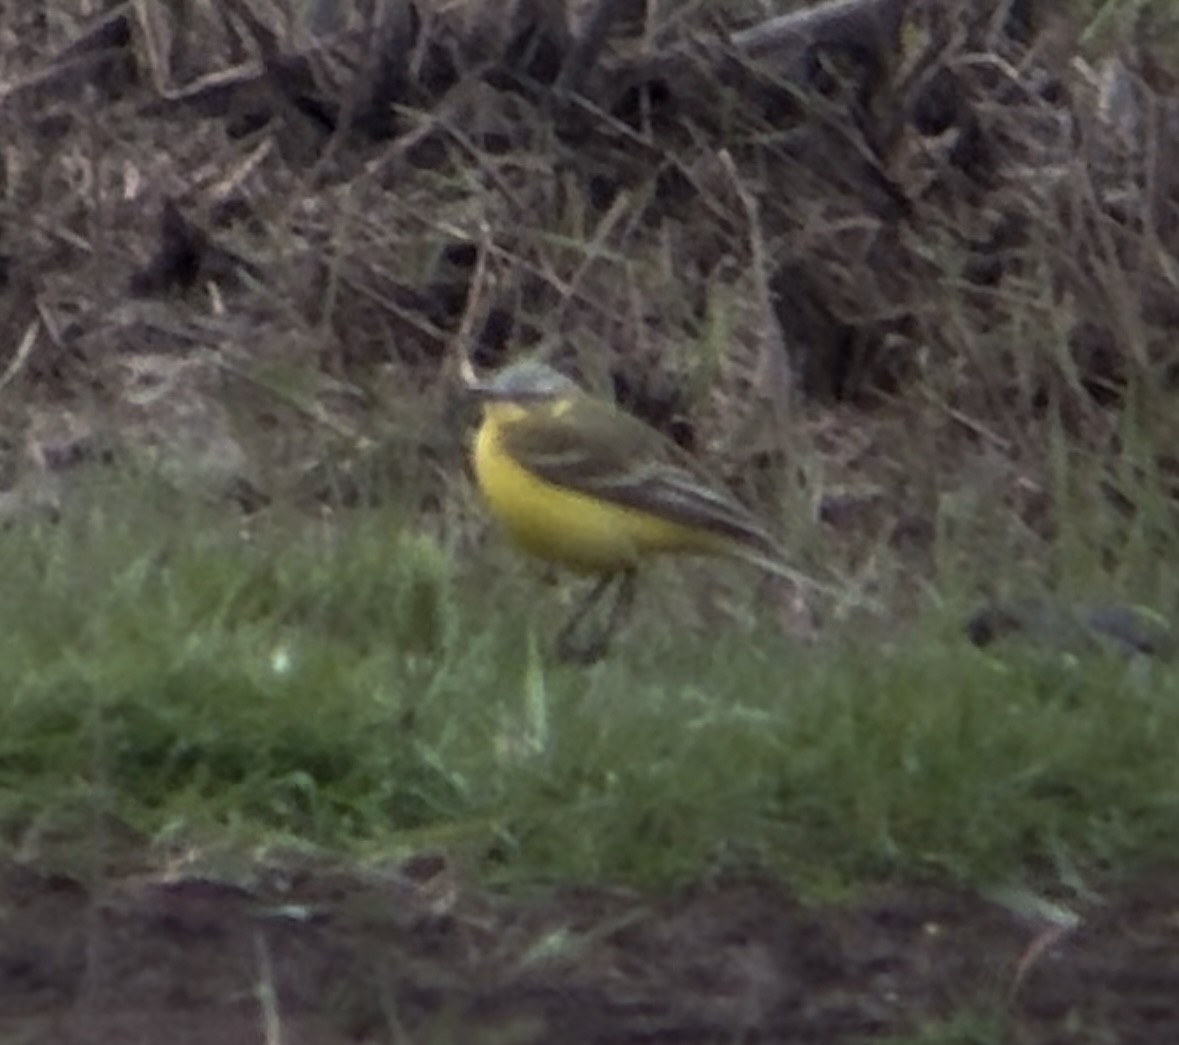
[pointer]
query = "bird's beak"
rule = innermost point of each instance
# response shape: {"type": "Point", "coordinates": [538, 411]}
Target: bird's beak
{"type": "Point", "coordinates": [483, 390]}
{"type": "Point", "coordinates": [471, 382]}
{"type": "Point", "coordinates": [467, 373]}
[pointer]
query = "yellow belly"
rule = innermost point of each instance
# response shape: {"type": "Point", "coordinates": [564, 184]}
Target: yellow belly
{"type": "Point", "coordinates": [571, 528]}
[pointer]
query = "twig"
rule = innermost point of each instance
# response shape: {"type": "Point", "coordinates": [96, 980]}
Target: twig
{"type": "Point", "coordinates": [23, 351]}
{"type": "Point", "coordinates": [588, 45]}
{"type": "Point", "coordinates": [839, 23]}
{"type": "Point", "coordinates": [267, 994]}
{"type": "Point", "coordinates": [773, 377]}
{"type": "Point", "coordinates": [475, 296]}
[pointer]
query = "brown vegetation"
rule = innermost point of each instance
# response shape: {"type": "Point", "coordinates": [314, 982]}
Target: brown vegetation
{"type": "Point", "coordinates": [942, 220]}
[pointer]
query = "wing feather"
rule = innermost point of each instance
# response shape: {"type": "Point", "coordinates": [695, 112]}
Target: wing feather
{"type": "Point", "coordinates": [594, 448]}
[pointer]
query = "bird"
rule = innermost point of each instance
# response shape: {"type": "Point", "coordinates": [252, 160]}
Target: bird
{"type": "Point", "coordinates": [579, 482]}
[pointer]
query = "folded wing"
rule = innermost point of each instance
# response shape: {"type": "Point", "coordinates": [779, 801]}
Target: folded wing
{"type": "Point", "coordinates": [593, 448]}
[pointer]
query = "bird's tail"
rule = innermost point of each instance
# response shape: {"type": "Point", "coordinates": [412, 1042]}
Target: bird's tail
{"type": "Point", "coordinates": [770, 559]}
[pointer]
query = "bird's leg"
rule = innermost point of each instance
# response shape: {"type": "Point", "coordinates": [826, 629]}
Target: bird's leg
{"type": "Point", "coordinates": [588, 653]}
{"type": "Point", "coordinates": [569, 650]}
{"type": "Point", "coordinates": [627, 585]}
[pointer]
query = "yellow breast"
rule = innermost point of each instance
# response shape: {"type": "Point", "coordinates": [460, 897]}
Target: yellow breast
{"type": "Point", "coordinates": [564, 526]}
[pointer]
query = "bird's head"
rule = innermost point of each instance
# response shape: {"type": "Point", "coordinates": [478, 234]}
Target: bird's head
{"type": "Point", "coordinates": [523, 383]}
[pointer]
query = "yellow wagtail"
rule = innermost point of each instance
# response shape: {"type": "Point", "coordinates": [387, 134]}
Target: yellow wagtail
{"type": "Point", "coordinates": [581, 483]}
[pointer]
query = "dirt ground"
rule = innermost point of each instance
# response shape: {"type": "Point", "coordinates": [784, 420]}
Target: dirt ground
{"type": "Point", "coordinates": [318, 958]}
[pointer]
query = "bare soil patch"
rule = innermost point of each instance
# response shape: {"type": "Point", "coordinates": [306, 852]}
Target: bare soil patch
{"type": "Point", "coordinates": [334, 957]}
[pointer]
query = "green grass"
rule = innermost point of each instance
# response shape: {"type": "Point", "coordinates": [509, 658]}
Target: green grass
{"type": "Point", "coordinates": [964, 1028]}
{"type": "Point", "coordinates": [344, 686]}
